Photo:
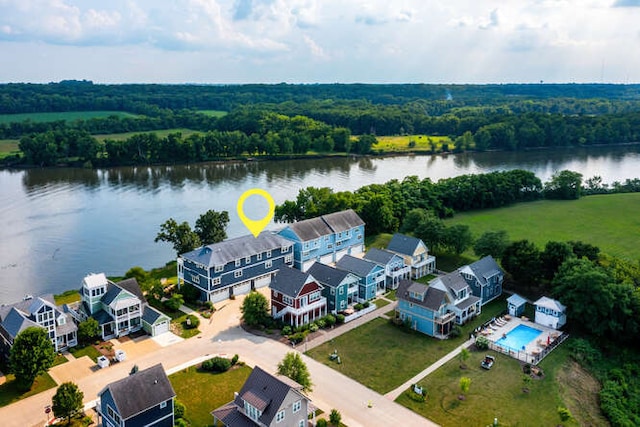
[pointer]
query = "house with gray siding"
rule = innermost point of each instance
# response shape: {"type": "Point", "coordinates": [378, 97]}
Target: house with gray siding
{"type": "Point", "coordinates": [415, 254]}
{"type": "Point", "coordinates": [265, 400]}
{"type": "Point", "coordinates": [340, 287]}
{"type": "Point", "coordinates": [235, 266]}
{"type": "Point", "coordinates": [394, 266]}
{"type": "Point", "coordinates": [485, 278]}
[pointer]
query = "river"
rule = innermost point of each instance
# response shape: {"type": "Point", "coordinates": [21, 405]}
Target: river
{"type": "Point", "coordinates": [60, 224]}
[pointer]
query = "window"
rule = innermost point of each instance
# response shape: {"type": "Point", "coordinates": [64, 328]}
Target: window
{"type": "Point", "coordinates": [296, 406]}
{"type": "Point", "coordinates": [251, 411]}
{"type": "Point", "coordinates": [280, 416]}
{"type": "Point", "coordinates": [113, 415]}
{"type": "Point", "coordinates": [195, 278]}
{"type": "Point", "coordinates": [215, 281]}
{"type": "Point", "coordinates": [288, 259]}
{"type": "Point", "coordinates": [314, 296]}
{"type": "Point", "coordinates": [343, 304]}
{"type": "Point", "coordinates": [341, 291]}
{"type": "Point", "coordinates": [163, 405]}
{"type": "Point", "coordinates": [329, 246]}
{"type": "Point", "coordinates": [338, 243]}
{"type": "Point", "coordinates": [287, 300]}
{"type": "Point", "coordinates": [333, 291]}
{"type": "Point", "coordinates": [247, 260]}
{"type": "Point", "coordinates": [275, 294]}
{"type": "Point", "coordinates": [301, 423]}
{"type": "Point", "coordinates": [268, 264]}
{"type": "Point", "coordinates": [284, 249]}
{"type": "Point", "coordinates": [259, 256]}
{"type": "Point", "coordinates": [237, 273]}
{"type": "Point", "coordinates": [219, 268]}
{"type": "Point", "coordinates": [268, 254]}
{"type": "Point", "coordinates": [238, 262]}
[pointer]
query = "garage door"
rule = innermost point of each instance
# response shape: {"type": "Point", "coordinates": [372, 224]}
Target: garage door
{"type": "Point", "coordinates": [327, 259]}
{"type": "Point", "coordinates": [262, 281]}
{"type": "Point", "coordinates": [340, 254]}
{"type": "Point", "coordinates": [219, 295]}
{"type": "Point", "coordinates": [307, 265]}
{"type": "Point", "coordinates": [355, 250]}
{"type": "Point", "coordinates": [242, 288]}
{"type": "Point", "coordinates": [161, 328]}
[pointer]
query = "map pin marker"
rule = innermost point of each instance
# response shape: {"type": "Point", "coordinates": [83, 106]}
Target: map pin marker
{"type": "Point", "coordinates": [255, 227]}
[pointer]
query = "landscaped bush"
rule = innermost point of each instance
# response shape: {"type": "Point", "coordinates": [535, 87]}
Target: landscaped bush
{"type": "Point", "coordinates": [216, 364]}
{"type": "Point", "coordinates": [209, 305]}
{"type": "Point", "coordinates": [321, 423]}
{"type": "Point", "coordinates": [455, 332]}
{"type": "Point", "coordinates": [297, 337]}
{"type": "Point", "coordinates": [178, 409]}
{"type": "Point", "coordinates": [526, 368]}
{"type": "Point", "coordinates": [191, 322]}
{"type": "Point", "coordinates": [366, 304]}
{"type": "Point", "coordinates": [330, 320]}
{"type": "Point", "coordinates": [234, 359]}
{"type": "Point", "coordinates": [482, 343]}
{"type": "Point", "coordinates": [358, 307]}
{"type": "Point", "coordinates": [321, 323]}
{"type": "Point", "coordinates": [313, 327]}
{"type": "Point", "coordinates": [339, 319]}
{"type": "Point", "coordinates": [286, 330]}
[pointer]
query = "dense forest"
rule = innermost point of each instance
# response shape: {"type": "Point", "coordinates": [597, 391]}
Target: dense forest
{"type": "Point", "coordinates": [275, 120]}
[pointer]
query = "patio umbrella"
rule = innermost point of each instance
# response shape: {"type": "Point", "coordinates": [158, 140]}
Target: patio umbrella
{"type": "Point", "coordinates": [548, 339]}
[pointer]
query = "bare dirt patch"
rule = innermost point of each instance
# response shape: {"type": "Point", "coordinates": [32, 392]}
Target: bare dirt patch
{"type": "Point", "coordinates": [579, 390]}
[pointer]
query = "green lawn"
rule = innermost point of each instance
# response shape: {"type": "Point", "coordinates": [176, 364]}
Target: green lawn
{"type": "Point", "coordinates": [379, 241]}
{"type": "Point", "coordinates": [88, 350]}
{"type": "Point", "coordinates": [9, 393]}
{"type": "Point", "coordinates": [609, 221]}
{"type": "Point", "coordinates": [67, 297]}
{"type": "Point", "coordinates": [213, 113]}
{"type": "Point", "coordinates": [160, 133]}
{"type": "Point", "coordinates": [8, 147]}
{"type": "Point", "coordinates": [381, 302]}
{"type": "Point", "coordinates": [402, 143]}
{"type": "Point", "coordinates": [59, 360]}
{"type": "Point", "coordinates": [496, 393]}
{"type": "Point", "coordinates": [177, 326]}
{"type": "Point", "coordinates": [391, 295]}
{"type": "Point", "coordinates": [213, 391]}
{"type": "Point", "coordinates": [68, 115]}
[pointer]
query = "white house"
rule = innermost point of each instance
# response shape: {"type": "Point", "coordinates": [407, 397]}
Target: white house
{"type": "Point", "coordinates": [550, 312]}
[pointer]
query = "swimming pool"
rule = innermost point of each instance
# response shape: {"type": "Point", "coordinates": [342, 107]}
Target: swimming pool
{"type": "Point", "coordinates": [517, 338]}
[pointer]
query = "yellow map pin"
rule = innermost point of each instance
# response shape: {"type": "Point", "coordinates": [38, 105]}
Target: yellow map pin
{"type": "Point", "coordinates": [255, 227]}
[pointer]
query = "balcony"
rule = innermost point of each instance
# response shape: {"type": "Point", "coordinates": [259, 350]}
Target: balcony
{"type": "Point", "coordinates": [322, 302]}
{"type": "Point", "coordinates": [445, 319]}
{"type": "Point", "coordinates": [400, 272]}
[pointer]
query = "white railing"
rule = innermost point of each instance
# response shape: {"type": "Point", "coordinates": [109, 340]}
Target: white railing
{"type": "Point", "coordinates": [360, 313]}
{"type": "Point", "coordinates": [322, 302]}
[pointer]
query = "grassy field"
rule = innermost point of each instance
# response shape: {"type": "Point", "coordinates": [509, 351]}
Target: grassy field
{"type": "Point", "coordinates": [214, 390]}
{"type": "Point", "coordinates": [213, 113]}
{"type": "Point", "coordinates": [68, 115]}
{"type": "Point", "coordinates": [496, 393]}
{"type": "Point", "coordinates": [67, 297]}
{"type": "Point", "coordinates": [9, 393]}
{"type": "Point", "coordinates": [161, 134]}
{"type": "Point", "coordinates": [610, 222]}
{"type": "Point", "coordinates": [87, 350]}
{"type": "Point", "coordinates": [402, 143]}
{"type": "Point", "coordinates": [8, 147]}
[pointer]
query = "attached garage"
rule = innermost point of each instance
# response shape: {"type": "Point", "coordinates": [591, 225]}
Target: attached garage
{"type": "Point", "coordinates": [160, 328]}
{"type": "Point", "coordinates": [327, 259]}
{"type": "Point", "coordinates": [262, 281]}
{"type": "Point", "coordinates": [307, 264]}
{"type": "Point", "coordinates": [219, 295]}
{"type": "Point", "coordinates": [341, 253]}
{"type": "Point", "coordinates": [242, 288]}
{"type": "Point", "coordinates": [154, 322]}
{"type": "Point", "coordinates": [355, 250]}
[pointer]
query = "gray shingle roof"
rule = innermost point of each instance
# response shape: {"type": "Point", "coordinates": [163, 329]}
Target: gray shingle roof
{"type": "Point", "coordinates": [289, 281]}
{"type": "Point", "coordinates": [485, 268]}
{"type": "Point", "coordinates": [403, 244]}
{"type": "Point", "coordinates": [240, 247]}
{"type": "Point", "coordinates": [229, 415]}
{"type": "Point", "coordinates": [357, 266]}
{"type": "Point", "coordinates": [453, 281]}
{"type": "Point", "coordinates": [16, 322]}
{"type": "Point", "coordinates": [471, 300]}
{"type": "Point", "coordinates": [516, 300]}
{"type": "Point", "coordinates": [150, 314]}
{"type": "Point", "coordinates": [379, 256]}
{"type": "Point", "coordinates": [343, 220]}
{"type": "Point", "coordinates": [131, 285]}
{"type": "Point", "coordinates": [327, 275]}
{"type": "Point", "coordinates": [140, 391]}
{"type": "Point", "coordinates": [433, 298]}
{"type": "Point", "coordinates": [313, 228]}
{"type": "Point", "coordinates": [15, 318]}
{"type": "Point", "coordinates": [550, 303]}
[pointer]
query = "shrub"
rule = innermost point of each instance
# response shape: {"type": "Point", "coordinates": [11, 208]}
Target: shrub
{"type": "Point", "coordinates": [330, 320]}
{"type": "Point", "coordinates": [178, 409]}
{"type": "Point", "coordinates": [216, 364]}
{"type": "Point", "coordinates": [358, 307]}
{"type": "Point", "coordinates": [180, 422]}
{"type": "Point", "coordinates": [191, 322]}
{"type": "Point", "coordinates": [339, 319]}
{"type": "Point", "coordinates": [286, 330]}
{"type": "Point", "coordinates": [565, 414]}
{"type": "Point", "coordinates": [297, 337]}
{"type": "Point", "coordinates": [482, 343]}
{"type": "Point", "coordinates": [526, 368]}
{"type": "Point", "coordinates": [234, 359]}
{"type": "Point", "coordinates": [321, 323]}
{"type": "Point", "coordinates": [335, 417]}
{"type": "Point", "coordinates": [313, 327]}
{"type": "Point", "coordinates": [455, 332]}
{"type": "Point", "coordinates": [321, 423]}
{"type": "Point", "coordinates": [366, 304]}
{"type": "Point", "coordinates": [209, 306]}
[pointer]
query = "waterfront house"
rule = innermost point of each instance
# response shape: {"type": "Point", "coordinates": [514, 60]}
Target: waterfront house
{"type": "Point", "coordinates": [235, 266]}
{"type": "Point", "coordinates": [516, 305]}
{"type": "Point", "coordinates": [265, 400]}
{"type": "Point", "coordinates": [415, 254]}
{"type": "Point", "coordinates": [120, 308]}
{"type": "Point", "coordinates": [485, 278]}
{"type": "Point", "coordinates": [424, 308]}
{"type": "Point", "coordinates": [40, 312]}
{"type": "Point", "coordinates": [550, 312]}
{"type": "Point", "coordinates": [371, 275]}
{"type": "Point", "coordinates": [296, 297]}
{"type": "Point", "coordinates": [394, 266]}
{"type": "Point", "coordinates": [464, 304]}
{"type": "Point", "coordinates": [340, 287]}
{"type": "Point", "coordinates": [144, 398]}
{"type": "Point", "coordinates": [326, 238]}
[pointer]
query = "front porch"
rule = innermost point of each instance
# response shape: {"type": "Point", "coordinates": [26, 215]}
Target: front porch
{"type": "Point", "coordinates": [423, 267]}
{"type": "Point", "coordinates": [304, 315]}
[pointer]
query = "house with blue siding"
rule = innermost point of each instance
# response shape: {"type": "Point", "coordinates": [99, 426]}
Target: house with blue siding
{"type": "Point", "coordinates": [424, 308]}
{"type": "Point", "coordinates": [326, 238]}
{"type": "Point", "coordinates": [371, 275]}
{"type": "Point", "coordinates": [340, 287]}
{"type": "Point", "coordinates": [415, 254]}
{"type": "Point", "coordinates": [235, 266]}
{"type": "Point", "coordinates": [464, 304]}
{"type": "Point", "coordinates": [394, 266]}
{"type": "Point", "coordinates": [145, 398]}
{"type": "Point", "coordinates": [485, 278]}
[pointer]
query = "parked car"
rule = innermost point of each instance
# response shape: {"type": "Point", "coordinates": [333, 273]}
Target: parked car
{"type": "Point", "coordinates": [488, 362]}
{"type": "Point", "coordinates": [103, 362]}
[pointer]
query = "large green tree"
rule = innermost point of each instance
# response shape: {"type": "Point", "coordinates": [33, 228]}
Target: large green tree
{"type": "Point", "coordinates": [553, 256]}
{"type": "Point", "coordinates": [211, 226]}
{"type": "Point", "coordinates": [564, 185]}
{"type": "Point", "coordinates": [255, 309]}
{"type": "Point", "coordinates": [293, 366]}
{"type": "Point", "coordinates": [458, 238]}
{"type": "Point", "coordinates": [31, 354]}
{"type": "Point", "coordinates": [88, 330]}
{"type": "Point", "coordinates": [180, 235]}
{"type": "Point", "coordinates": [67, 401]}
{"type": "Point", "coordinates": [491, 243]}
{"type": "Point", "coordinates": [522, 260]}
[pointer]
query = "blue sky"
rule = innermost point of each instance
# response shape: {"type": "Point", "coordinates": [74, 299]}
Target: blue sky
{"type": "Point", "coordinates": [327, 41]}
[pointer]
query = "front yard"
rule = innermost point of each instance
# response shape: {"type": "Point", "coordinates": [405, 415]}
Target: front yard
{"type": "Point", "coordinates": [9, 393]}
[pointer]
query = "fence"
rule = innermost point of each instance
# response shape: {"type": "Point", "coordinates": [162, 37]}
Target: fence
{"type": "Point", "coordinates": [531, 358]}
{"type": "Point", "coordinates": [360, 313]}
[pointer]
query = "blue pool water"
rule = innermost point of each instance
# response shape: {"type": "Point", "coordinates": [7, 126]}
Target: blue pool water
{"type": "Point", "coordinates": [519, 337]}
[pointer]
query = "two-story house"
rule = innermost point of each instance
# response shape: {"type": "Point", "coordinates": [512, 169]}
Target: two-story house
{"type": "Point", "coordinates": [425, 309]}
{"type": "Point", "coordinates": [550, 313]}
{"type": "Point", "coordinates": [41, 312]}
{"type": "Point", "coordinates": [235, 266]}
{"type": "Point", "coordinates": [266, 401]}
{"type": "Point", "coordinates": [340, 287]}
{"type": "Point", "coordinates": [464, 304]}
{"type": "Point", "coordinates": [394, 266]}
{"type": "Point", "coordinates": [296, 297]}
{"type": "Point", "coordinates": [372, 277]}
{"type": "Point", "coordinates": [145, 398]}
{"type": "Point", "coordinates": [485, 278]}
{"type": "Point", "coordinates": [326, 238]}
{"type": "Point", "coordinates": [120, 308]}
{"type": "Point", "coordinates": [415, 254]}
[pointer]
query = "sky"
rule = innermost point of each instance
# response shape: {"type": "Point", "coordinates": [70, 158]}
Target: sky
{"type": "Point", "coordinates": [320, 41]}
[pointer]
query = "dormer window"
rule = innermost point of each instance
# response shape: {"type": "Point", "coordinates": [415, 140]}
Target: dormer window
{"type": "Point", "coordinates": [251, 411]}
{"type": "Point", "coordinates": [416, 295]}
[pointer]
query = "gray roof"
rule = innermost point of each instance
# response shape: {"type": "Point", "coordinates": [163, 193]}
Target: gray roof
{"type": "Point", "coordinates": [357, 266]}
{"type": "Point", "coordinates": [229, 415]}
{"type": "Point", "coordinates": [151, 315]}
{"type": "Point", "coordinates": [433, 299]}
{"type": "Point", "coordinates": [68, 327]}
{"type": "Point", "coordinates": [25, 305]}
{"type": "Point", "coordinates": [379, 256]}
{"type": "Point", "coordinates": [327, 275]}
{"type": "Point", "coordinates": [453, 281]}
{"type": "Point", "coordinates": [471, 300]}
{"type": "Point", "coordinates": [140, 391]}
{"type": "Point", "coordinates": [550, 303]}
{"type": "Point", "coordinates": [229, 250]}
{"type": "Point", "coordinates": [516, 300]}
{"type": "Point", "coordinates": [290, 281]}
{"type": "Point", "coordinates": [313, 228]}
{"type": "Point", "coordinates": [15, 318]}
{"type": "Point", "coordinates": [16, 322]}
{"type": "Point", "coordinates": [114, 289]}
{"type": "Point", "coordinates": [131, 285]}
{"type": "Point", "coordinates": [485, 268]}
{"type": "Point", "coordinates": [404, 244]}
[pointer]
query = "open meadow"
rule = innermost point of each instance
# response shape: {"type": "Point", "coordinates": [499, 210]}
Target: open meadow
{"type": "Point", "coordinates": [66, 115]}
{"type": "Point", "coordinates": [411, 143]}
{"type": "Point", "coordinates": [8, 147]}
{"type": "Point", "coordinates": [160, 133]}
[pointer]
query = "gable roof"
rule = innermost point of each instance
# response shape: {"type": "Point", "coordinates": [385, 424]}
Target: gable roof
{"type": "Point", "coordinates": [131, 285]}
{"type": "Point", "coordinates": [485, 268]}
{"type": "Point", "coordinates": [113, 291]}
{"type": "Point", "coordinates": [14, 318]}
{"type": "Point", "coordinates": [453, 281]}
{"type": "Point", "coordinates": [140, 391]}
{"type": "Point", "coordinates": [327, 275]}
{"type": "Point", "coordinates": [433, 298]}
{"type": "Point", "coordinates": [357, 266]}
{"type": "Point", "coordinates": [404, 244]}
{"type": "Point", "coordinates": [290, 281]}
{"type": "Point", "coordinates": [151, 315]}
{"type": "Point", "coordinates": [380, 256]}
{"type": "Point", "coordinates": [15, 322]}
{"type": "Point", "coordinates": [516, 300]}
{"type": "Point", "coordinates": [313, 228]}
{"type": "Point", "coordinates": [550, 303]}
{"type": "Point", "coordinates": [229, 250]}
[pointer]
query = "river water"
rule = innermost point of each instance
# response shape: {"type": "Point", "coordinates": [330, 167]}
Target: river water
{"type": "Point", "coordinates": [60, 224]}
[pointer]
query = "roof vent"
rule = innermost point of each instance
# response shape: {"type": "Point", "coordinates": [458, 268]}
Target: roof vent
{"type": "Point", "coordinates": [155, 381]}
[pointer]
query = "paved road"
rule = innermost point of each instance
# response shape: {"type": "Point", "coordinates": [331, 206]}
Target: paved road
{"type": "Point", "coordinates": [222, 335]}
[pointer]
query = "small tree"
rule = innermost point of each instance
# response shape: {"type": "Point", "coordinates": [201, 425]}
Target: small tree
{"type": "Point", "coordinates": [174, 302]}
{"type": "Point", "coordinates": [463, 357]}
{"type": "Point", "coordinates": [335, 417]}
{"type": "Point", "coordinates": [180, 235]}
{"type": "Point", "coordinates": [88, 330]}
{"type": "Point", "coordinates": [526, 382]}
{"type": "Point", "coordinates": [465, 383]}
{"type": "Point", "coordinates": [293, 366]}
{"type": "Point", "coordinates": [67, 401]}
{"type": "Point", "coordinates": [32, 354]}
{"type": "Point", "coordinates": [255, 309]}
